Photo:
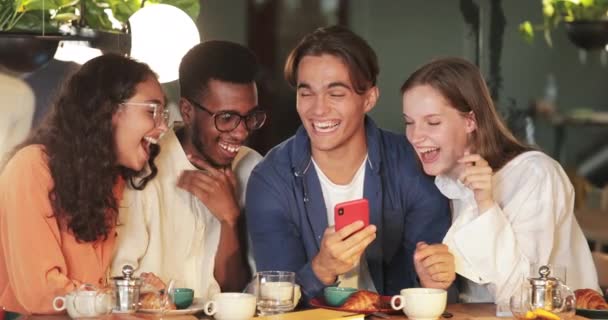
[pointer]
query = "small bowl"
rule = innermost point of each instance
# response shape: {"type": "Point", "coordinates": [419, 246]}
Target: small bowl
{"type": "Point", "coordinates": [336, 296]}
{"type": "Point", "coordinates": [183, 297]}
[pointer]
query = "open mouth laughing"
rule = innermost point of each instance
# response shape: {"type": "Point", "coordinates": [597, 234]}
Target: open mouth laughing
{"type": "Point", "coordinates": [428, 154]}
{"type": "Point", "coordinates": [326, 126]}
{"type": "Point", "coordinates": [231, 148]}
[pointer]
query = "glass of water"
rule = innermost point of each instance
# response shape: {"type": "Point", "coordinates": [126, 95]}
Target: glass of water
{"type": "Point", "coordinates": [275, 291]}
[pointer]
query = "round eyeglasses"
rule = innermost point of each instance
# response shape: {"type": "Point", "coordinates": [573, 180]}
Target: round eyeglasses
{"type": "Point", "coordinates": [226, 121]}
{"type": "Point", "coordinates": [160, 113]}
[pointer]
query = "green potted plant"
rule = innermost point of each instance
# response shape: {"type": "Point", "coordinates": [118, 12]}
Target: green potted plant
{"type": "Point", "coordinates": [31, 29]}
{"type": "Point", "coordinates": [28, 15]}
{"type": "Point", "coordinates": [586, 22]}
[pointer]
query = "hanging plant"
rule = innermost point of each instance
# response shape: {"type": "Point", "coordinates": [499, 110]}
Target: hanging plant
{"type": "Point", "coordinates": [567, 11]}
{"type": "Point", "coordinates": [61, 16]}
{"type": "Point", "coordinates": [29, 15]}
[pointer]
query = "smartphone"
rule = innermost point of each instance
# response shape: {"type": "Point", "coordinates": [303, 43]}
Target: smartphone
{"type": "Point", "coordinates": [348, 212]}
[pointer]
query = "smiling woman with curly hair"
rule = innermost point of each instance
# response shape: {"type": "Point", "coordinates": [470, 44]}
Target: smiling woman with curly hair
{"type": "Point", "coordinates": [59, 192]}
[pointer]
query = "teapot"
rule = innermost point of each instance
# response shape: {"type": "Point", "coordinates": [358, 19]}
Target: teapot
{"type": "Point", "coordinates": [85, 302]}
{"type": "Point", "coordinates": [126, 291]}
{"type": "Point", "coordinates": [544, 297]}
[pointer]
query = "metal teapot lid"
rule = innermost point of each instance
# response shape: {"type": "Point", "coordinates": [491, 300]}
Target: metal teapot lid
{"type": "Point", "coordinates": [127, 280]}
{"type": "Point", "coordinates": [544, 279]}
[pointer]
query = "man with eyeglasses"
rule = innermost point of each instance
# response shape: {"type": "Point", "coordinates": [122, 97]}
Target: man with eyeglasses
{"type": "Point", "coordinates": [187, 225]}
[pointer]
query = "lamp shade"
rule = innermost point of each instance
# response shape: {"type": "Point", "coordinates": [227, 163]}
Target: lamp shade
{"type": "Point", "coordinates": [161, 35]}
{"type": "Point", "coordinates": [77, 51]}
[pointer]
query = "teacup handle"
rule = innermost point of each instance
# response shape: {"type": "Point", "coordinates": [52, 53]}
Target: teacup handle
{"type": "Point", "coordinates": [401, 304]}
{"type": "Point", "coordinates": [57, 299]}
{"type": "Point", "coordinates": [210, 308]}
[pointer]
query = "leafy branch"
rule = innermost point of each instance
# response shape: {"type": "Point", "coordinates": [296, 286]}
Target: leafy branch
{"type": "Point", "coordinates": [557, 11]}
{"type": "Point", "coordinates": [32, 15]}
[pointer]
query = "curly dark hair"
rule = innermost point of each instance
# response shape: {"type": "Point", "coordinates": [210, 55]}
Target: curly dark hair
{"type": "Point", "coordinates": [77, 136]}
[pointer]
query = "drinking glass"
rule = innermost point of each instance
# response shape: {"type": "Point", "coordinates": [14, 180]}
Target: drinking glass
{"type": "Point", "coordinates": [275, 291]}
{"type": "Point", "coordinates": [519, 303]}
{"type": "Point", "coordinates": [166, 298]}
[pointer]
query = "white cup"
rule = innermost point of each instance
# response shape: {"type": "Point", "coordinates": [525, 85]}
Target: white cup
{"type": "Point", "coordinates": [84, 304]}
{"type": "Point", "coordinates": [231, 306]}
{"type": "Point", "coordinates": [421, 303]}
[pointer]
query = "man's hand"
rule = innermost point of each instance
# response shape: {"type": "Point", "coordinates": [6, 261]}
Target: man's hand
{"type": "Point", "coordinates": [215, 188]}
{"type": "Point", "coordinates": [434, 265]}
{"type": "Point", "coordinates": [341, 251]}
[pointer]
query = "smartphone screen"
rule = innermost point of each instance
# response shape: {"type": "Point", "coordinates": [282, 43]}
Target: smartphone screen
{"type": "Point", "coordinates": [348, 212]}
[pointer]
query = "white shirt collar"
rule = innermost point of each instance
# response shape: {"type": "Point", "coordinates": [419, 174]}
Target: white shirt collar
{"type": "Point", "coordinates": [453, 189]}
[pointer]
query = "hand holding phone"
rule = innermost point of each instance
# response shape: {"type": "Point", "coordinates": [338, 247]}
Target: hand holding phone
{"type": "Point", "coordinates": [342, 246]}
{"type": "Point", "coordinates": [348, 212]}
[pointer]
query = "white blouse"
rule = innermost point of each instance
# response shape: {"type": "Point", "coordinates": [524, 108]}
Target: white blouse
{"type": "Point", "coordinates": [169, 231]}
{"type": "Point", "coordinates": [532, 221]}
{"type": "Point", "coordinates": [18, 104]}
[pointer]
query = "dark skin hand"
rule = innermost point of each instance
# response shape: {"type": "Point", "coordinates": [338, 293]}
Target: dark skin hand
{"type": "Point", "coordinates": [216, 189]}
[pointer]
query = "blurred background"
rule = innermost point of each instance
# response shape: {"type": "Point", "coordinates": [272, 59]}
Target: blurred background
{"type": "Point", "coordinates": [544, 61]}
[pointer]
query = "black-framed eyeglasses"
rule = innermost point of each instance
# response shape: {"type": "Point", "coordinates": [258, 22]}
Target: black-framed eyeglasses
{"type": "Point", "coordinates": [226, 121]}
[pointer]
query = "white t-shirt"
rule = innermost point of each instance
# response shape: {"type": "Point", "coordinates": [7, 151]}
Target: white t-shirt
{"type": "Point", "coordinates": [359, 276]}
{"type": "Point", "coordinates": [531, 222]}
{"type": "Point", "coordinates": [167, 230]}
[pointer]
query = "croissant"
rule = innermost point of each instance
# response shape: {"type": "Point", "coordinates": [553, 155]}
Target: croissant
{"type": "Point", "coordinates": [363, 300]}
{"type": "Point", "coordinates": [152, 301]}
{"type": "Point", "coordinates": [590, 299]}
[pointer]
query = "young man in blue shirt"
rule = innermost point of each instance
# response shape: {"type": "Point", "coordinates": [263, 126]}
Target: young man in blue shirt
{"type": "Point", "coordinates": [338, 155]}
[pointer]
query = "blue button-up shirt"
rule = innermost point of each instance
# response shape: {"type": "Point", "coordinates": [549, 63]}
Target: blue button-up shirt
{"type": "Point", "coordinates": [286, 213]}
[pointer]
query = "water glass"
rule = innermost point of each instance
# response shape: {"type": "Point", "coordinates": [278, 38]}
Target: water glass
{"type": "Point", "coordinates": [519, 304]}
{"type": "Point", "coordinates": [275, 291]}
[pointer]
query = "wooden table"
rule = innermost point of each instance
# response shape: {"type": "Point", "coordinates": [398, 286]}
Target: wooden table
{"type": "Point", "coordinates": [479, 311]}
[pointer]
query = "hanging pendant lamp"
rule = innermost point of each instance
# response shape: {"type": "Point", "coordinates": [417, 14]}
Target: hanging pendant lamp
{"type": "Point", "coordinates": [26, 51]}
{"type": "Point", "coordinates": [23, 52]}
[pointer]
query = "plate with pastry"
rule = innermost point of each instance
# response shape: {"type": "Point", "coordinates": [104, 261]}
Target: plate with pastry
{"type": "Point", "coordinates": [591, 304]}
{"type": "Point", "coordinates": [150, 302]}
{"type": "Point", "coordinates": [361, 301]}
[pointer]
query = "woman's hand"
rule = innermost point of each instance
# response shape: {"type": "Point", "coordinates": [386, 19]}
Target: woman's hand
{"type": "Point", "coordinates": [434, 265]}
{"type": "Point", "coordinates": [477, 176]}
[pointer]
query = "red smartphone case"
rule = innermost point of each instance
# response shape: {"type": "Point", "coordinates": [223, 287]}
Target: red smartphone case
{"type": "Point", "coordinates": [348, 212]}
